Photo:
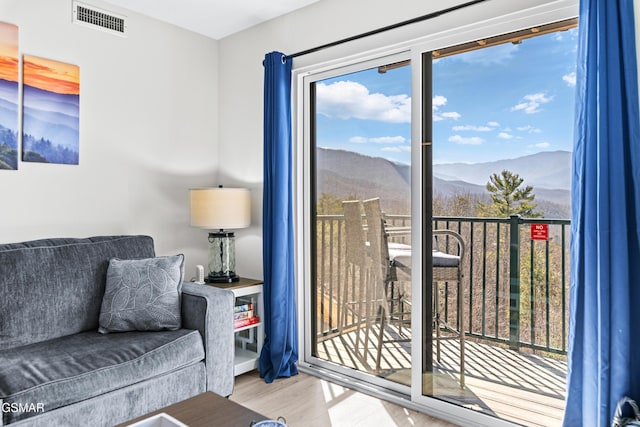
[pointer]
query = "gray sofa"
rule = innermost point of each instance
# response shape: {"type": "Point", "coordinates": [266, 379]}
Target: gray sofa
{"type": "Point", "coordinates": [56, 369]}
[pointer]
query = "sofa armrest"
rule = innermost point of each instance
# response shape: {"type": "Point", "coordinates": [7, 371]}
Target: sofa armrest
{"type": "Point", "coordinates": [210, 311]}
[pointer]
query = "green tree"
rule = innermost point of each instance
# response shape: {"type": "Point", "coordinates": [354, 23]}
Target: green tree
{"type": "Point", "coordinates": [509, 197]}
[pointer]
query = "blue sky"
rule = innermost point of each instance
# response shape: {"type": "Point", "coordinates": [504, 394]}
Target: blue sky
{"type": "Point", "coordinates": [496, 103]}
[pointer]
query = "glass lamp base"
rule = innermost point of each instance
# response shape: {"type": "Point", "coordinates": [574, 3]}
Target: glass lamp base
{"type": "Point", "coordinates": [222, 258]}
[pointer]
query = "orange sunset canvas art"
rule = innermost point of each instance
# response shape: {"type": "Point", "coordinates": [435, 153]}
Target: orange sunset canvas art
{"type": "Point", "coordinates": [51, 107]}
{"type": "Point", "coordinates": [8, 96]}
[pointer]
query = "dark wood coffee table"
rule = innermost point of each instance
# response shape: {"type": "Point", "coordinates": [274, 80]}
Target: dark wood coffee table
{"type": "Point", "coordinates": [207, 409]}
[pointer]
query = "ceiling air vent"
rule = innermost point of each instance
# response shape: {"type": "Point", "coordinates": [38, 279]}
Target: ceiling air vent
{"type": "Point", "coordinates": [91, 16]}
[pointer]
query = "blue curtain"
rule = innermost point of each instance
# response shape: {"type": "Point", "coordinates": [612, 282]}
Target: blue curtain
{"type": "Point", "coordinates": [280, 351]}
{"type": "Point", "coordinates": [604, 335]}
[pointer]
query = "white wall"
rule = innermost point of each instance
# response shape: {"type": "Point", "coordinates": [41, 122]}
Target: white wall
{"type": "Point", "coordinates": [148, 132]}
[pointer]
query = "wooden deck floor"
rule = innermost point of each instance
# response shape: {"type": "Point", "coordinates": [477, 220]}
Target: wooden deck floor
{"type": "Point", "coordinates": [520, 387]}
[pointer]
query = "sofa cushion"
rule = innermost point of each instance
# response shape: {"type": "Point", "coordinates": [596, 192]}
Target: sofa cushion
{"type": "Point", "coordinates": [54, 287]}
{"type": "Point", "coordinates": [142, 295]}
{"type": "Point", "coordinates": [70, 369]}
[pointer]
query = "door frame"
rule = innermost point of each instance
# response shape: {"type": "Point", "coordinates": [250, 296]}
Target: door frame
{"type": "Point", "coordinates": [306, 191]}
{"type": "Point", "coordinates": [510, 17]}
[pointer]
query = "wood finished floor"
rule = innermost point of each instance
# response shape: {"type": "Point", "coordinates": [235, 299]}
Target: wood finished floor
{"type": "Point", "coordinates": [307, 401]}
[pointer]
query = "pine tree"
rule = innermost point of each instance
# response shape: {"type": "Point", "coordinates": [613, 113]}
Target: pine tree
{"type": "Point", "coordinates": [508, 197]}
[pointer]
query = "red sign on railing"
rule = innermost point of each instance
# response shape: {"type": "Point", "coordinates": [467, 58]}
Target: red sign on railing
{"type": "Point", "coordinates": [539, 231]}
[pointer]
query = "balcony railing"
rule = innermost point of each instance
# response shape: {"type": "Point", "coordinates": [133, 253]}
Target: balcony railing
{"type": "Point", "coordinates": [515, 289]}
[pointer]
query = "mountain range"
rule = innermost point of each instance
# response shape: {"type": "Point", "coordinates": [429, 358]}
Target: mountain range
{"type": "Point", "coordinates": [51, 116]}
{"type": "Point", "coordinates": [547, 169]}
{"type": "Point", "coordinates": [348, 174]}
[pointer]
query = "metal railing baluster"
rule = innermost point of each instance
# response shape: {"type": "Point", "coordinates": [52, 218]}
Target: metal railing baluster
{"type": "Point", "coordinates": [334, 277]}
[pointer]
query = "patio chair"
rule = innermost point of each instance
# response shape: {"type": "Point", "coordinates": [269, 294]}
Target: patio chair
{"type": "Point", "coordinates": [354, 297]}
{"type": "Point", "coordinates": [391, 265]}
{"type": "Point", "coordinates": [382, 278]}
{"type": "Point", "coordinates": [448, 255]}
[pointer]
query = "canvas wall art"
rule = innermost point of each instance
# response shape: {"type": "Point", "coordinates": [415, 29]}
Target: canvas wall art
{"type": "Point", "coordinates": [8, 96]}
{"type": "Point", "coordinates": [51, 111]}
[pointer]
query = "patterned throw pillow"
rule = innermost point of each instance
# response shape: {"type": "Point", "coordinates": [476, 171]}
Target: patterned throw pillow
{"type": "Point", "coordinates": [142, 295]}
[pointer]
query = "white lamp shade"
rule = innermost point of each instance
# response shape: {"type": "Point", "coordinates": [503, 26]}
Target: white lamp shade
{"type": "Point", "coordinates": [220, 208]}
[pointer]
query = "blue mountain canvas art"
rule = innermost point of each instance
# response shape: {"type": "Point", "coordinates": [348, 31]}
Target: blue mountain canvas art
{"type": "Point", "coordinates": [51, 106]}
{"type": "Point", "coordinates": [8, 96]}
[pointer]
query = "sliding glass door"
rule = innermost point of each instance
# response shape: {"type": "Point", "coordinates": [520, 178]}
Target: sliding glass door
{"type": "Point", "coordinates": [360, 196]}
{"type": "Point", "coordinates": [436, 215]}
{"type": "Point", "coordinates": [495, 163]}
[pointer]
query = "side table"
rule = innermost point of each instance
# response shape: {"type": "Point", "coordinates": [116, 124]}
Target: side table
{"type": "Point", "coordinates": [248, 339]}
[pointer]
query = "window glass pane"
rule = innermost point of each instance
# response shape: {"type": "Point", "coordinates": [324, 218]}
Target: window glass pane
{"type": "Point", "coordinates": [502, 121]}
{"type": "Point", "coordinates": [362, 211]}
{"type": "Point", "coordinates": [502, 141]}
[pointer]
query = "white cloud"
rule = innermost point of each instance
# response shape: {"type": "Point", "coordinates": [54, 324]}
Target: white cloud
{"type": "Point", "coordinates": [532, 103]}
{"type": "Point", "coordinates": [472, 127]}
{"type": "Point", "coordinates": [493, 124]}
{"type": "Point", "coordinates": [505, 135]}
{"type": "Point", "coordinates": [451, 115]}
{"type": "Point", "coordinates": [389, 140]}
{"type": "Point", "coordinates": [437, 102]}
{"type": "Point", "coordinates": [397, 149]}
{"type": "Point", "coordinates": [378, 140]}
{"type": "Point", "coordinates": [474, 140]}
{"type": "Point", "coordinates": [529, 129]}
{"type": "Point", "coordinates": [570, 79]}
{"type": "Point", "coordinates": [542, 145]}
{"type": "Point", "coordinates": [347, 99]}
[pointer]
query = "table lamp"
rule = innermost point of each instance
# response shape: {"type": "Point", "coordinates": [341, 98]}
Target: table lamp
{"type": "Point", "coordinates": [221, 209]}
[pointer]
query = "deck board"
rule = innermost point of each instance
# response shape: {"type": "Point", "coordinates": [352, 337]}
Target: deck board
{"type": "Point", "coordinates": [520, 387]}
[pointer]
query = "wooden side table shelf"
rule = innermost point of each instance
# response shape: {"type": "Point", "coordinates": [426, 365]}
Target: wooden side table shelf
{"type": "Point", "coordinates": [248, 340]}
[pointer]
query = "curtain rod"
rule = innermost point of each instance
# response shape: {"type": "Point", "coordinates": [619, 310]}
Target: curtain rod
{"type": "Point", "coordinates": [387, 28]}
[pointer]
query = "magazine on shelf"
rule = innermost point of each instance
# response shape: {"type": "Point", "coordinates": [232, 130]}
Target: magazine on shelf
{"type": "Point", "coordinates": [243, 315]}
{"type": "Point", "coordinates": [241, 323]}
{"type": "Point", "coordinates": [243, 307]}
